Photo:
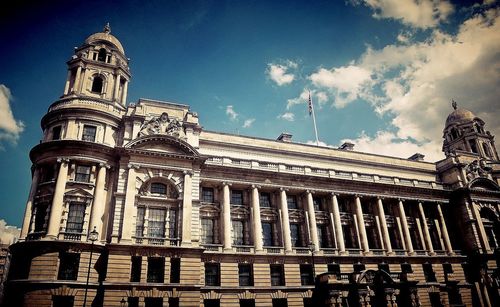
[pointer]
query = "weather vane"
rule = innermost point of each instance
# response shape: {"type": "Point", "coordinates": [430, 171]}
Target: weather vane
{"type": "Point", "coordinates": [454, 104]}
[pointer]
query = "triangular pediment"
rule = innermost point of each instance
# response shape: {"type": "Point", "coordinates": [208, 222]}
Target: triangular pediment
{"type": "Point", "coordinates": [78, 193]}
{"type": "Point", "coordinates": [162, 144]}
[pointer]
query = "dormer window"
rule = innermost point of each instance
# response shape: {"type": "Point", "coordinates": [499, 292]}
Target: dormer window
{"type": "Point", "coordinates": [101, 56]}
{"type": "Point", "coordinates": [97, 84]}
{"type": "Point", "coordinates": [158, 189]}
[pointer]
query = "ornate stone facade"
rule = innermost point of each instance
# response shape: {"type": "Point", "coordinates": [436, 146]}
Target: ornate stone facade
{"type": "Point", "coordinates": [189, 217]}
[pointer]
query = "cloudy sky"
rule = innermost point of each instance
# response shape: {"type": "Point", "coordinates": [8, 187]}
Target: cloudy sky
{"type": "Point", "coordinates": [381, 73]}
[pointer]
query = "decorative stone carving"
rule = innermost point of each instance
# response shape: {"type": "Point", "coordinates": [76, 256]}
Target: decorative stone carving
{"type": "Point", "coordinates": [477, 168]}
{"type": "Point", "coordinates": [162, 125]}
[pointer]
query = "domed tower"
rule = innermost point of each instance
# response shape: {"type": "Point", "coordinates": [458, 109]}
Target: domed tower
{"type": "Point", "coordinates": [464, 132]}
{"type": "Point", "coordinates": [73, 166]}
{"type": "Point", "coordinates": [99, 69]}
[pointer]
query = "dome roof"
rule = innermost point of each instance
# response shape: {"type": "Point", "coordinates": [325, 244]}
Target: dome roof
{"type": "Point", "coordinates": [459, 116]}
{"type": "Point", "coordinates": [105, 35]}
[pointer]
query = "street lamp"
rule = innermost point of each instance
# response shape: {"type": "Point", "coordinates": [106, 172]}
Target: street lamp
{"type": "Point", "coordinates": [93, 236]}
{"type": "Point", "coordinates": [312, 248]}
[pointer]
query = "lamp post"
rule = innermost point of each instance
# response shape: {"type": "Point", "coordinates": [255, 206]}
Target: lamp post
{"type": "Point", "coordinates": [311, 248]}
{"type": "Point", "coordinates": [93, 236]}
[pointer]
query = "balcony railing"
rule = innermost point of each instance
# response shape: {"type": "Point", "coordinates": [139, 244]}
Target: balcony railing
{"type": "Point", "coordinates": [330, 251]}
{"type": "Point", "coordinates": [157, 241]}
{"type": "Point", "coordinates": [274, 249]}
{"type": "Point", "coordinates": [353, 251]}
{"type": "Point", "coordinates": [302, 250]}
{"type": "Point", "coordinates": [243, 248]}
{"type": "Point", "coordinates": [420, 252]}
{"type": "Point", "coordinates": [212, 247]}
{"type": "Point", "coordinates": [377, 252]}
{"type": "Point", "coordinates": [72, 236]}
{"type": "Point", "coordinates": [440, 252]}
{"type": "Point", "coordinates": [399, 252]}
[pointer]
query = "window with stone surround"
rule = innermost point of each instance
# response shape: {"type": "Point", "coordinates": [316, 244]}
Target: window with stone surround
{"type": "Point", "coordinates": [212, 274]}
{"type": "Point", "coordinates": [175, 270]}
{"type": "Point", "coordinates": [265, 199]}
{"type": "Point", "coordinates": [267, 234]}
{"type": "Point", "coordinates": [135, 270]}
{"type": "Point", "coordinates": [68, 266]}
{"type": "Point", "coordinates": [153, 301]}
{"type": "Point", "coordinates": [291, 201]}
{"type": "Point", "coordinates": [277, 275]}
{"type": "Point", "coordinates": [295, 235]}
{"type": "Point", "coordinates": [238, 231]}
{"type": "Point", "coordinates": [89, 133]}
{"type": "Point", "coordinates": [158, 189]}
{"type": "Point", "coordinates": [41, 217]}
{"type": "Point", "coordinates": [97, 84]}
{"type": "Point", "coordinates": [76, 216]}
{"type": "Point", "coordinates": [82, 173]}
{"type": "Point", "coordinates": [236, 197]}
{"type": "Point", "coordinates": [156, 269]}
{"type": "Point", "coordinates": [207, 195]}
{"type": "Point", "coordinates": [207, 231]}
{"type": "Point", "coordinates": [245, 274]}
{"type": "Point", "coordinates": [306, 275]}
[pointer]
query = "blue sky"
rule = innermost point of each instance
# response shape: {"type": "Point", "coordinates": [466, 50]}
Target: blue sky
{"type": "Point", "coordinates": [382, 73]}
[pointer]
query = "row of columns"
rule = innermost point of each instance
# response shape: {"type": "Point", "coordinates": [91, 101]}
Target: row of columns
{"type": "Point", "coordinates": [56, 209]}
{"type": "Point", "coordinates": [337, 227]}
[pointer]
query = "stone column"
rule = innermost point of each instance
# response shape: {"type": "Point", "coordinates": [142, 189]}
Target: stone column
{"type": "Point", "coordinates": [313, 228]}
{"type": "Point", "coordinates": [385, 230]}
{"type": "Point", "coordinates": [124, 93]}
{"type": "Point", "coordinates": [129, 210]}
{"type": "Point", "coordinates": [426, 229]}
{"type": "Point", "coordinates": [117, 85]}
{"type": "Point", "coordinates": [78, 81]}
{"type": "Point", "coordinates": [99, 203]}
{"type": "Point", "coordinates": [361, 225]}
{"type": "Point", "coordinates": [226, 215]}
{"type": "Point", "coordinates": [58, 200]}
{"type": "Point", "coordinates": [406, 230]}
{"type": "Point", "coordinates": [68, 80]}
{"type": "Point", "coordinates": [338, 224]}
{"type": "Point", "coordinates": [187, 208]}
{"type": "Point", "coordinates": [482, 233]}
{"type": "Point", "coordinates": [444, 229]}
{"type": "Point", "coordinates": [287, 238]}
{"type": "Point", "coordinates": [28, 212]}
{"type": "Point", "coordinates": [257, 223]}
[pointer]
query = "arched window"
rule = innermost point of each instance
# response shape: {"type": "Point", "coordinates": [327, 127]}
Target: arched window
{"type": "Point", "coordinates": [101, 57]}
{"type": "Point", "coordinates": [97, 84]}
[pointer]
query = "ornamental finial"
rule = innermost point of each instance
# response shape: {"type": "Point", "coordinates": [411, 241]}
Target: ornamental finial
{"type": "Point", "coordinates": [107, 28]}
{"type": "Point", "coordinates": [454, 104]}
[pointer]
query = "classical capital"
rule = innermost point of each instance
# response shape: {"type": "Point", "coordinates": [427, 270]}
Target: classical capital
{"type": "Point", "coordinates": [134, 166]}
{"type": "Point", "coordinates": [62, 160]}
{"type": "Point", "coordinates": [188, 172]}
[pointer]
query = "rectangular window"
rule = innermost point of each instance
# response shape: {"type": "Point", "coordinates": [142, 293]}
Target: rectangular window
{"type": "Point", "coordinates": [139, 224]}
{"type": "Point", "coordinates": [212, 274]}
{"type": "Point", "coordinates": [237, 232]}
{"type": "Point", "coordinates": [156, 222]}
{"type": "Point", "coordinates": [56, 133]}
{"type": "Point", "coordinates": [429, 274]}
{"type": "Point", "coordinates": [267, 234]}
{"type": "Point", "coordinates": [211, 303]}
{"type": "Point", "coordinates": [334, 268]}
{"type": "Point", "coordinates": [207, 231]}
{"type": "Point", "coordinates": [277, 275]}
{"type": "Point", "coordinates": [68, 266]}
{"type": "Point", "coordinates": [153, 301]}
{"type": "Point", "coordinates": [175, 270]}
{"type": "Point", "coordinates": [280, 302]}
{"type": "Point", "coordinates": [173, 302]}
{"type": "Point", "coordinates": [156, 269]}
{"type": "Point", "coordinates": [245, 273]}
{"type": "Point", "coordinates": [76, 216]}
{"type": "Point", "coordinates": [306, 274]}
{"type": "Point", "coordinates": [133, 301]}
{"type": "Point", "coordinates": [265, 200]}
{"type": "Point", "coordinates": [172, 223]}
{"type": "Point", "coordinates": [247, 303]}
{"type": "Point", "coordinates": [82, 173]}
{"type": "Point", "coordinates": [135, 270]}
{"type": "Point", "coordinates": [89, 133]}
{"type": "Point", "coordinates": [318, 203]}
{"type": "Point", "coordinates": [40, 217]}
{"type": "Point", "coordinates": [291, 201]}
{"type": "Point", "coordinates": [63, 301]}
{"type": "Point", "coordinates": [323, 235]}
{"type": "Point", "coordinates": [237, 197]}
{"type": "Point", "coordinates": [207, 195]}
{"type": "Point", "coordinates": [295, 235]}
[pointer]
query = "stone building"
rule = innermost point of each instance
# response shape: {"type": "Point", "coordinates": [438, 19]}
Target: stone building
{"type": "Point", "coordinates": [190, 217]}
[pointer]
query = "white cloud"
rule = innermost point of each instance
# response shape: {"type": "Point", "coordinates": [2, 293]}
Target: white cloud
{"type": "Point", "coordinates": [289, 116]}
{"type": "Point", "coordinates": [389, 144]}
{"type": "Point", "coordinates": [280, 73]}
{"type": "Point", "coordinates": [231, 113]}
{"type": "Point", "coordinates": [10, 128]}
{"type": "Point", "coordinates": [345, 83]}
{"type": "Point", "coordinates": [8, 234]}
{"type": "Point", "coordinates": [302, 99]}
{"type": "Point", "coordinates": [415, 13]}
{"type": "Point", "coordinates": [248, 122]}
{"type": "Point", "coordinates": [319, 143]}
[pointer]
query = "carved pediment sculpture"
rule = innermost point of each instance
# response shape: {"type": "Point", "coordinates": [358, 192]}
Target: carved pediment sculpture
{"type": "Point", "coordinates": [162, 125]}
{"type": "Point", "coordinates": [477, 168]}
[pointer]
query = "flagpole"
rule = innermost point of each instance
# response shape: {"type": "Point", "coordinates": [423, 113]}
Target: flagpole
{"type": "Point", "coordinates": [314, 118]}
